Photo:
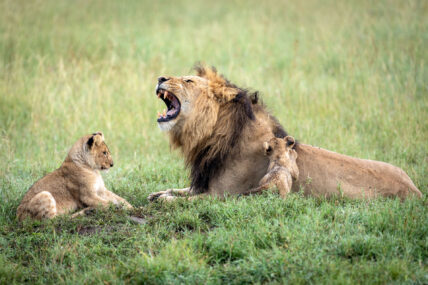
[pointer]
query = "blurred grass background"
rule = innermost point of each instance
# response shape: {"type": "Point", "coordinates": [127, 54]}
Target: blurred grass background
{"type": "Point", "coordinates": [349, 76]}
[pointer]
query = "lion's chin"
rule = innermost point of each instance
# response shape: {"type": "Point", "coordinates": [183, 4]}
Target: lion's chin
{"type": "Point", "coordinates": [167, 126]}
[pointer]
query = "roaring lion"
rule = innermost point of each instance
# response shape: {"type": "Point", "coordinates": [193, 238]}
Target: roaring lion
{"type": "Point", "coordinates": [75, 185]}
{"type": "Point", "coordinates": [220, 129]}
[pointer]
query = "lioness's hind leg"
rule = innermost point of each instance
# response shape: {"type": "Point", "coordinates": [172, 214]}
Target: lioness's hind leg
{"type": "Point", "coordinates": [42, 206]}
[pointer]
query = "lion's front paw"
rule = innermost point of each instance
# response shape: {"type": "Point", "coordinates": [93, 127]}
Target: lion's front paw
{"type": "Point", "coordinates": [166, 197]}
{"type": "Point", "coordinates": [154, 196]}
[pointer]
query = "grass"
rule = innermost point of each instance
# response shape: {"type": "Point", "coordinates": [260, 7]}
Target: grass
{"type": "Point", "coordinates": [347, 76]}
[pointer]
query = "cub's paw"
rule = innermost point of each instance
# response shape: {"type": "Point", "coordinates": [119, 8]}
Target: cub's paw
{"type": "Point", "coordinates": [124, 205]}
{"type": "Point", "coordinates": [129, 207]}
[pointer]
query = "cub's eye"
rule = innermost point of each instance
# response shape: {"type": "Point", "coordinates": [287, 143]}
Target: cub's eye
{"type": "Point", "coordinates": [189, 80]}
{"type": "Point", "coordinates": [104, 152]}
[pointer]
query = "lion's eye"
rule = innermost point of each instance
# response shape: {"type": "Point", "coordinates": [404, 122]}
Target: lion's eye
{"type": "Point", "coordinates": [105, 153]}
{"type": "Point", "coordinates": [189, 81]}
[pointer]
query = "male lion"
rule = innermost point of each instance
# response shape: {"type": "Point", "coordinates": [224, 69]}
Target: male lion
{"type": "Point", "coordinates": [220, 129]}
{"type": "Point", "coordinates": [75, 185]}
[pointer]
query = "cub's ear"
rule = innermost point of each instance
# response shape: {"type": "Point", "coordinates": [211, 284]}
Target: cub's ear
{"type": "Point", "coordinates": [90, 142]}
{"type": "Point", "coordinates": [96, 139]}
{"type": "Point", "coordinates": [267, 148]}
{"type": "Point", "coordinates": [289, 141]}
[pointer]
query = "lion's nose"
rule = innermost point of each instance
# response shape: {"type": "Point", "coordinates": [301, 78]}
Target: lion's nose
{"type": "Point", "coordinates": [111, 164]}
{"type": "Point", "coordinates": [162, 79]}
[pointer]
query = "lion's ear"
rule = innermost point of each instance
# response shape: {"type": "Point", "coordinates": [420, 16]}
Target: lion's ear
{"type": "Point", "coordinates": [254, 97]}
{"type": "Point", "coordinates": [203, 71]}
{"type": "Point", "coordinates": [267, 148]}
{"type": "Point", "coordinates": [219, 87]}
{"type": "Point", "coordinates": [223, 93]}
{"type": "Point", "coordinates": [289, 141]}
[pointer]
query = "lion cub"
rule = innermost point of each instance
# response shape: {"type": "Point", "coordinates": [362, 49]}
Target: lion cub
{"type": "Point", "coordinates": [282, 168]}
{"type": "Point", "coordinates": [75, 185]}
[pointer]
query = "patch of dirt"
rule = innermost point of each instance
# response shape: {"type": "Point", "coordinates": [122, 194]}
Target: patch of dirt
{"type": "Point", "coordinates": [88, 230]}
{"type": "Point", "coordinates": [137, 220]}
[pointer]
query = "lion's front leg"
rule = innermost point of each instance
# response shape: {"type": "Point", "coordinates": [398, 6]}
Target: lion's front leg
{"type": "Point", "coordinates": [169, 194]}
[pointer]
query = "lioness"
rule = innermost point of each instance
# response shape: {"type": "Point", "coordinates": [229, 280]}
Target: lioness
{"type": "Point", "coordinates": [75, 185]}
{"type": "Point", "coordinates": [282, 168]}
{"type": "Point", "coordinates": [220, 127]}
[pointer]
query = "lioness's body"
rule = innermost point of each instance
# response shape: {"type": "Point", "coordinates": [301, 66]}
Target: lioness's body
{"type": "Point", "coordinates": [323, 173]}
{"type": "Point", "coordinates": [220, 129]}
{"type": "Point", "coordinates": [76, 184]}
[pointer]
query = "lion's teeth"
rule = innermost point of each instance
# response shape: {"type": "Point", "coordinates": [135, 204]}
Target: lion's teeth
{"type": "Point", "coordinates": [159, 114]}
{"type": "Point", "coordinates": [164, 112]}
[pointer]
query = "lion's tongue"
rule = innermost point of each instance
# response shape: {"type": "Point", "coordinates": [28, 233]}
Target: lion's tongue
{"type": "Point", "coordinates": [175, 104]}
{"type": "Point", "coordinates": [170, 112]}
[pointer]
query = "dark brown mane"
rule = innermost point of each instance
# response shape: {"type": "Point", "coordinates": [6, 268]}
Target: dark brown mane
{"type": "Point", "coordinates": [210, 155]}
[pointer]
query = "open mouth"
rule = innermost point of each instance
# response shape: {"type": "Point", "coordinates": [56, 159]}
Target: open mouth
{"type": "Point", "coordinates": [171, 103]}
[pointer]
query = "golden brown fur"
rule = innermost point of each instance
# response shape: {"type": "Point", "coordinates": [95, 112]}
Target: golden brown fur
{"type": "Point", "coordinates": [75, 185]}
{"type": "Point", "coordinates": [282, 168]}
{"type": "Point", "coordinates": [324, 173]}
{"type": "Point", "coordinates": [220, 130]}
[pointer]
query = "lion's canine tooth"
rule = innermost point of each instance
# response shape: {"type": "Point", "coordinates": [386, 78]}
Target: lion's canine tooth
{"type": "Point", "coordinates": [164, 112]}
{"type": "Point", "coordinates": [159, 114]}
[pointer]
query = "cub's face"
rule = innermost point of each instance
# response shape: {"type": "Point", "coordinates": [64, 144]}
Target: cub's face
{"type": "Point", "coordinates": [178, 94]}
{"type": "Point", "coordinates": [281, 152]}
{"type": "Point", "coordinates": [99, 153]}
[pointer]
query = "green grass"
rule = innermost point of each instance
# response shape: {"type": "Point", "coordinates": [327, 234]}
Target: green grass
{"type": "Point", "coordinates": [349, 76]}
